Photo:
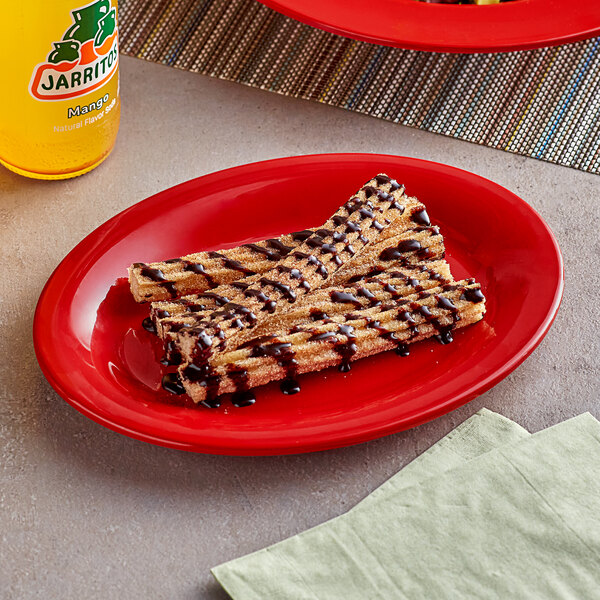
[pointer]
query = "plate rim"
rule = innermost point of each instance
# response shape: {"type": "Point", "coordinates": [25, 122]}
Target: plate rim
{"type": "Point", "coordinates": [103, 418]}
{"type": "Point", "coordinates": [411, 43]}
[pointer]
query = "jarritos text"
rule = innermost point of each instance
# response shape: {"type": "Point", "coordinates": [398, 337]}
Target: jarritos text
{"type": "Point", "coordinates": [86, 57]}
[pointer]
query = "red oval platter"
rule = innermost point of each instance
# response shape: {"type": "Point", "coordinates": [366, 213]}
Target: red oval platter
{"type": "Point", "coordinates": [92, 349]}
{"type": "Point", "coordinates": [516, 25]}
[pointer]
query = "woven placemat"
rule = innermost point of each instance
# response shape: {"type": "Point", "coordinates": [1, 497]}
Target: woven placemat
{"type": "Point", "coordinates": [539, 103]}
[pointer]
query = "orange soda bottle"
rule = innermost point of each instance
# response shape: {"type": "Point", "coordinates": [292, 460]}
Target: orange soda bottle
{"type": "Point", "coordinates": [60, 107]}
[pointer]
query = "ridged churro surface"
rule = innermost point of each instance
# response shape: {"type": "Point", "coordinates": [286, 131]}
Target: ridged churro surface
{"type": "Point", "coordinates": [202, 271]}
{"type": "Point", "coordinates": [337, 340]}
{"type": "Point", "coordinates": [360, 221]}
{"type": "Point", "coordinates": [397, 254]}
{"type": "Point", "coordinates": [372, 278]}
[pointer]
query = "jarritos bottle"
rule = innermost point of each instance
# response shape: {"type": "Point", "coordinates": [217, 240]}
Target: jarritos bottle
{"type": "Point", "coordinates": [59, 106]}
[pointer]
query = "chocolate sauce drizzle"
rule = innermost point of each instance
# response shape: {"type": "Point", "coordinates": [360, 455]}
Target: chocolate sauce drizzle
{"type": "Point", "coordinates": [385, 196]}
{"type": "Point", "coordinates": [241, 399]}
{"type": "Point", "coordinates": [228, 263]}
{"type": "Point", "coordinates": [382, 179]}
{"type": "Point", "coordinates": [386, 334]}
{"type": "Point", "coordinates": [313, 260]}
{"type": "Point", "coordinates": [366, 293]}
{"type": "Point", "coordinates": [353, 204]}
{"type": "Point", "coordinates": [403, 247]}
{"type": "Point", "coordinates": [377, 270]}
{"type": "Point", "coordinates": [148, 325]}
{"type": "Point", "coordinates": [369, 191]}
{"type": "Point", "coordinates": [172, 383]}
{"type": "Point", "coordinates": [289, 387]}
{"type": "Point", "coordinates": [279, 246]}
{"type": "Point", "coordinates": [325, 336]}
{"type": "Point", "coordinates": [269, 254]}
{"type": "Point", "coordinates": [176, 326]}
{"type": "Point", "coordinates": [257, 341]}
{"type": "Point", "coordinates": [235, 265]}
{"type": "Point", "coordinates": [302, 236]}
{"type": "Point", "coordinates": [172, 356]}
{"type": "Point", "coordinates": [444, 335]}
{"type": "Point", "coordinates": [346, 298]}
{"type": "Point", "coordinates": [411, 245]}
{"type": "Point", "coordinates": [402, 349]}
{"type": "Point", "coordinates": [285, 290]}
{"type": "Point", "coordinates": [352, 227]}
{"type": "Point", "coordinates": [286, 358]}
{"type": "Point", "coordinates": [219, 300]}
{"type": "Point", "coordinates": [318, 315]}
{"type": "Point", "coordinates": [346, 348]}
{"type": "Point", "coordinates": [473, 295]}
{"type": "Point", "coordinates": [445, 332]}
{"type": "Point", "coordinates": [318, 242]}
{"type": "Point", "coordinates": [242, 396]}
{"type": "Point", "coordinates": [295, 274]}
{"type": "Point", "coordinates": [234, 311]}
{"type": "Point", "coordinates": [198, 269]}
{"type": "Point", "coordinates": [406, 317]}
{"type": "Point", "coordinates": [420, 217]}
{"type": "Point", "coordinates": [269, 305]}
{"type": "Point", "coordinates": [157, 276]}
{"type": "Point", "coordinates": [204, 375]}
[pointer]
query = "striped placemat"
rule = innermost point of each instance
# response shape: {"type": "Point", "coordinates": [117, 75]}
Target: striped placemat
{"type": "Point", "coordinates": [539, 103]}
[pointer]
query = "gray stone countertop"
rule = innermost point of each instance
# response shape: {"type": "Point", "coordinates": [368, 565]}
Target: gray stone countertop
{"type": "Point", "coordinates": [88, 513]}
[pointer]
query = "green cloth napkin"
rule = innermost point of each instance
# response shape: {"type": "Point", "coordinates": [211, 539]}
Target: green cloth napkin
{"type": "Point", "coordinates": [488, 512]}
{"type": "Point", "coordinates": [480, 433]}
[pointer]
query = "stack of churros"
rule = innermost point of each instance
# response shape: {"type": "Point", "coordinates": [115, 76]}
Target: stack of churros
{"type": "Point", "coordinates": [372, 278]}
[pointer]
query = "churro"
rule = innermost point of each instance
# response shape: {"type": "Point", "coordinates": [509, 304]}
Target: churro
{"type": "Point", "coordinates": [355, 224]}
{"type": "Point", "coordinates": [336, 340]}
{"type": "Point", "coordinates": [372, 278]}
{"type": "Point", "coordinates": [394, 254]}
{"type": "Point", "coordinates": [202, 271]}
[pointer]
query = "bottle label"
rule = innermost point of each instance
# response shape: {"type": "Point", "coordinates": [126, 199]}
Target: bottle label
{"type": "Point", "coordinates": [84, 59]}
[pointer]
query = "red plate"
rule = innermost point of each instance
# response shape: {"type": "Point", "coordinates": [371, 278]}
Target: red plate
{"type": "Point", "coordinates": [516, 25]}
{"type": "Point", "coordinates": [92, 349]}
